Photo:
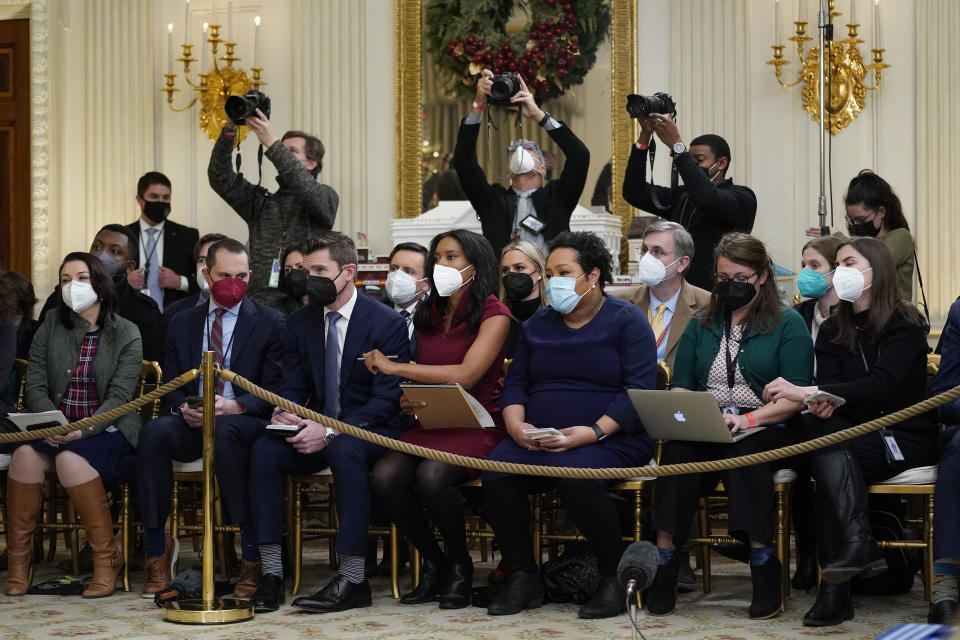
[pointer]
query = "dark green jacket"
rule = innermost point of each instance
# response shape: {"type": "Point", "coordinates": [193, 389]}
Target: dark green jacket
{"type": "Point", "coordinates": [786, 352]}
{"type": "Point", "coordinates": [116, 368]}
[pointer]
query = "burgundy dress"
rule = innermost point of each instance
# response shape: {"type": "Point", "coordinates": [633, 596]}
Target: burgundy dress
{"type": "Point", "coordinates": [450, 348]}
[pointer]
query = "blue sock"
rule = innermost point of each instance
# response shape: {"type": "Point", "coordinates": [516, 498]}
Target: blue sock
{"type": "Point", "coordinates": [760, 555]}
{"type": "Point", "coordinates": [666, 555]}
{"type": "Point", "coordinates": [248, 544]}
{"type": "Point", "coordinates": [154, 541]}
{"type": "Point", "coordinates": [945, 585]}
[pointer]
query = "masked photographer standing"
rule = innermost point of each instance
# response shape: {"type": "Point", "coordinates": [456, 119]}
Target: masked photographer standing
{"type": "Point", "coordinates": [300, 208]}
{"type": "Point", "coordinates": [527, 210]}
{"type": "Point", "coordinates": [708, 204]}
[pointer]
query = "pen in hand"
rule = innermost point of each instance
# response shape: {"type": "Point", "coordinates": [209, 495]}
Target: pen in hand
{"type": "Point", "coordinates": [388, 357]}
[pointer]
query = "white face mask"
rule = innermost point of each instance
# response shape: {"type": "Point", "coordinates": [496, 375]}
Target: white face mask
{"type": "Point", "coordinates": [448, 280]}
{"type": "Point", "coordinates": [848, 283]}
{"type": "Point", "coordinates": [401, 286]}
{"type": "Point", "coordinates": [650, 271]}
{"type": "Point", "coordinates": [521, 161]}
{"type": "Point", "coordinates": [202, 282]}
{"type": "Point", "coordinates": [79, 296]}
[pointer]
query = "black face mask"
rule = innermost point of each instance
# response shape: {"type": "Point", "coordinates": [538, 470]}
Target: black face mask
{"type": "Point", "coordinates": [322, 291]}
{"type": "Point", "coordinates": [295, 284]}
{"type": "Point", "coordinates": [865, 229]}
{"type": "Point", "coordinates": [517, 285]}
{"type": "Point", "coordinates": [734, 295]}
{"type": "Point", "coordinates": [157, 212]}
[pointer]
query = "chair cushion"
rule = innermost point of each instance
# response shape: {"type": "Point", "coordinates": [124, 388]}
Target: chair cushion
{"type": "Point", "coordinates": [4, 461]}
{"type": "Point", "coordinates": [917, 475]}
{"type": "Point", "coordinates": [194, 466]}
{"type": "Point", "coordinates": [652, 463]}
{"type": "Point", "coordinates": [783, 476]}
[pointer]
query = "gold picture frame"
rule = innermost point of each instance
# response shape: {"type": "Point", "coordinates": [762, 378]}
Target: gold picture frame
{"type": "Point", "coordinates": [408, 59]}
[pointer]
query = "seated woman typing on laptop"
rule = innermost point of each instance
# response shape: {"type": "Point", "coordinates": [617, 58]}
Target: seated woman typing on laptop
{"type": "Point", "coordinates": [573, 365]}
{"type": "Point", "coordinates": [872, 353]}
{"type": "Point", "coordinates": [461, 337]}
{"type": "Point", "coordinates": [744, 339]}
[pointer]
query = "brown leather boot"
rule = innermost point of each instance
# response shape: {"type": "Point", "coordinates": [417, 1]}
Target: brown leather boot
{"type": "Point", "coordinates": [250, 575]}
{"type": "Point", "coordinates": [90, 501]}
{"type": "Point", "coordinates": [23, 508]}
{"type": "Point", "coordinates": [160, 570]}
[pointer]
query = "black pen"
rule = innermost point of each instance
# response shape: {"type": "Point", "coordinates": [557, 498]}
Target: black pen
{"type": "Point", "coordinates": [389, 357]}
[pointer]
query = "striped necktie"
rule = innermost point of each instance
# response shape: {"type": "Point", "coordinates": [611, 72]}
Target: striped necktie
{"type": "Point", "coordinates": [216, 343]}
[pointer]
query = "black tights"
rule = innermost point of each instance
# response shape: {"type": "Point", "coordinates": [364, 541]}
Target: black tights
{"type": "Point", "coordinates": [405, 486]}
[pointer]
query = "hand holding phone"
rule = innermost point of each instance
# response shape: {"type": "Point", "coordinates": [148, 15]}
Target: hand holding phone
{"type": "Point", "coordinates": [545, 433]}
{"type": "Point", "coordinates": [820, 396]}
{"type": "Point", "coordinates": [194, 402]}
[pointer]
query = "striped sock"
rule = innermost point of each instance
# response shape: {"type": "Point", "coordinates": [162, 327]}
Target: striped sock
{"type": "Point", "coordinates": [270, 560]}
{"type": "Point", "coordinates": [352, 568]}
{"type": "Point", "coordinates": [944, 582]}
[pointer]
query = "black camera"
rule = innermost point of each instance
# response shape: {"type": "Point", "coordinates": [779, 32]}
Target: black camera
{"type": "Point", "coordinates": [239, 108]}
{"type": "Point", "coordinates": [643, 106]}
{"type": "Point", "coordinates": [504, 86]}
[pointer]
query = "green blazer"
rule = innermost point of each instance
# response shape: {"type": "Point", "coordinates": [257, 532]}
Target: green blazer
{"type": "Point", "coordinates": [786, 352]}
{"type": "Point", "coordinates": [116, 368]}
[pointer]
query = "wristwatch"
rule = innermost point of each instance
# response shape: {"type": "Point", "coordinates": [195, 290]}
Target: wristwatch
{"type": "Point", "coordinates": [597, 430]}
{"type": "Point", "coordinates": [679, 147]}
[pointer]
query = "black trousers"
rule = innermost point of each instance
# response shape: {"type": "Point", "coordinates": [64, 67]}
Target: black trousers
{"type": "Point", "coordinates": [750, 493]}
{"type": "Point", "coordinates": [588, 502]}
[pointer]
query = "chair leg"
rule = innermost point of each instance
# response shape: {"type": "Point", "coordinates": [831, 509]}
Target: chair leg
{"type": "Point", "coordinates": [782, 543]}
{"type": "Point", "coordinates": [705, 548]}
{"type": "Point", "coordinates": [928, 551]}
{"type": "Point", "coordinates": [125, 533]}
{"type": "Point", "coordinates": [536, 524]}
{"type": "Point", "coordinates": [394, 559]}
{"type": "Point", "coordinates": [415, 566]}
{"type": "Point", "coordinates": [297, 537]}
{"type": "Point", "coordinates": [175, 519]}
{"type": "Point", "coordinates": [638, 530]}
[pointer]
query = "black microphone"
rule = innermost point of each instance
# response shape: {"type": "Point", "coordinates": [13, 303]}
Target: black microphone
{"type": "Point", "coordinates": [638, 566]}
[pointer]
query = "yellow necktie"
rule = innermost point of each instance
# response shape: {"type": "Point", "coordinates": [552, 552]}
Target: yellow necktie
{"type": "Point", "coordinates": [657, 322]}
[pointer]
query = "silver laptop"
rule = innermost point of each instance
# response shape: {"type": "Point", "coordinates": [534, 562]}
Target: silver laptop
{"type": "Point", "coordinates": [684, 415]}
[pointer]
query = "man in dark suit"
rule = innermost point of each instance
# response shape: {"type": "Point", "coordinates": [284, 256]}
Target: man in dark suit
{"type": "Point", "coordinates": [165, 249]}
{"type": "Point", "coordinates": [324, 370]}
{"type": "Point", "coordinates": [526, 210]}
{"type": "Point", "coordinates": [203, 294]}
{"type": "Point", "coordinates": [247, 338]}
{"type": "Point", "coordinates": [407, 284]}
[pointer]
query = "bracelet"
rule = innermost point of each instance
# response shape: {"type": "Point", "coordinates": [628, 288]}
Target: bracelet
{"type": "Point", "coordinates": [750, 419]}
{"type": "Point", "coordinates": [642, 147]}
{"type": "Point", "coordinates": [479, 107]}
{"type": "Point", "coordinates": [545, 118]}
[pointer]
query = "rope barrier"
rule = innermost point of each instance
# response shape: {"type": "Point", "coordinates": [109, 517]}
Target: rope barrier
{"type": "Point", "coordinates": [106, 416]}
{"type": "Point", "coordinates": [607, 473]}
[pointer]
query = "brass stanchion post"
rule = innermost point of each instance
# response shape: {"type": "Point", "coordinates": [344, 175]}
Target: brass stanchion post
{"type": "Point", "coordinates": [208, 609]}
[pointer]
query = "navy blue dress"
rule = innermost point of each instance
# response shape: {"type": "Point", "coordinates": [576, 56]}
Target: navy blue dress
{"type": "Point", "coordinates": [567, 377]}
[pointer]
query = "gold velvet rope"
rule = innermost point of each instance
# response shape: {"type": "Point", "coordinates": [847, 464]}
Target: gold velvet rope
{"type": "Point", "coordinates": [493, 465]}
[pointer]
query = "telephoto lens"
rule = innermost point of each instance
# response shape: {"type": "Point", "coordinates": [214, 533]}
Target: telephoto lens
{"type": "Point", "coordinates": [239, 108]}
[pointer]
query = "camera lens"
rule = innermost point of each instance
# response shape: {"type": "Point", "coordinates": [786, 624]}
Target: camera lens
{"type": "Point", "coordinates": [237, 108]}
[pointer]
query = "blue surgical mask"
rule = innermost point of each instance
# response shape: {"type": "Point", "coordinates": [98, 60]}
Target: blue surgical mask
{"type": "Point", "coordinates": [562, 294]}
{"type": "Point", "coordinates": [812, 284]}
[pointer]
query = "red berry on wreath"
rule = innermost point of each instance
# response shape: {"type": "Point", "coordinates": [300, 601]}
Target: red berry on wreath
{"type": "Point", "coordinates": [541, 57]}
{"type": "Point", "coordinates": [573, 46]}
{"type": "Point", "coordinates": [460, 44]}
{"type": "Point", "coordinates": [478, 58]}
{"type": "Point", "coordinates": [535, 49]}
{"type": "Point", "coordinates": [571, 17]}
{"type": "Point", "coordinates": [488, 58]}
{"type": "Point", "coordinates": [451, 48]}
{"type": "Point", "coordinates": [551, 46]}
{"type": "Point", "coordinates": [551, 2]}
{"type": "Point", "coordinates": [549, 22]}
{"type": "Point", "coordinates": [471, 49]}
{"type": "Point", "coordinates": [561, 62]}
{"type": "Point", "coordinates": [471, 39]}
{"type": "Point", "coordinates": [512, 66]}
{"type": "Point", "coordinates": [567, 8]}
{"type": "Point", "coordinates": [561, 72]}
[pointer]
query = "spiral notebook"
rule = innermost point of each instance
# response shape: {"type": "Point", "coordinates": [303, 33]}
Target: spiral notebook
{"type": "Point", "coordinates": [448, 406]}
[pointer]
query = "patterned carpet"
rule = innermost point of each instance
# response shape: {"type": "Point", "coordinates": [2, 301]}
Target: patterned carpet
{"type": "Point", "coordinates": [719, 615]}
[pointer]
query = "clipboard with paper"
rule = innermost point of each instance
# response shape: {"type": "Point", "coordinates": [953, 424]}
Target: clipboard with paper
{"type": "Point", "coordinates": [447, 406]}
{"type": "Point", "coordinates": [41, 420]}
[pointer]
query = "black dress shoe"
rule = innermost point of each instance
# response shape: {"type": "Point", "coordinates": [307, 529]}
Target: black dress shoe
{"type": "Point", "coordinates": [857, 558]}
{"type": "Point", "coordinates": [457, 588]}
{"type": "Point", "coordinates": [270, 593]}
{"type": "Point", "coordinates": [606, 602]}
{"type": "Point", "coordinates": [524, 590]}
{"type": "Point", "coordinates": [767, 581]}
{"type": "Point", "coordinates": [339, 595]}
{"type": "Point", "coordinates": [431, 581]}
{"type": "Point", "coordinates": [662, 594]}
{"type": "Point", "coordinates": [687, 580]}
{"type": "Point", "coordinates": [805, 577]}
{"type": "Point", "coordinates": [734, 551]}
{"type": "Point", "coordinates": [942, 612]}
{"type": "Point", "coordinates": [832, 607]}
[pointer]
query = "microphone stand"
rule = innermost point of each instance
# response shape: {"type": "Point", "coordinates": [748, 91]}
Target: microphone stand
{"type": "Point", "coordinates": [632, 611]}
{"type": "Point", "coordinates": [823, 24]}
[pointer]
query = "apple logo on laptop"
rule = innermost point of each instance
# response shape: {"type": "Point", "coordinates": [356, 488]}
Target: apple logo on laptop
{"type": "Point", "coordinates": [679, 417]}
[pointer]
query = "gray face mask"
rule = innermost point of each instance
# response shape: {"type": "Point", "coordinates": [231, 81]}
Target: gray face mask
{"type": "Point", "coordinates": [108, 263]}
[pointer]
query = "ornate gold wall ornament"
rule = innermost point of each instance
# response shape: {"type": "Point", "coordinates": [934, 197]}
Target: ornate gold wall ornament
{"type": "Point", "coordinates": [846, 75]}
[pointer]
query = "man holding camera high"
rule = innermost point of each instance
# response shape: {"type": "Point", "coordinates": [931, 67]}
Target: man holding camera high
{"type": "Point", "coordinates": [300, 208]}
{"type": "Point", "coordinates": [527, 210]}
{"type": "Point", "coordinates": [708, 204]}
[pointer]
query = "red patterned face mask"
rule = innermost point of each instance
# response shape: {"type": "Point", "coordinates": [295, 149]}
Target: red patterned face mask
{"type": "Point", "coordinates": [228, 291]}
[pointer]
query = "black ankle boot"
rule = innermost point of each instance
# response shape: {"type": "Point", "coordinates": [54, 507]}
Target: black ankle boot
{"type": "Point", "coordinates": [431, 581]}
{"type": "Point", "coordinates": [607, 601]}
{"type": "Point", "coordinates": [842, 488]}
{"type": "Point", "coordinates": [662, 594]}
{"type": "Point", "coordinates": [767, 585]}
{"type": "Point", "coordinates": [805, 577]}
{"type": "Point", "coordinates": [833, 606]}
{"type": "Point", "coordinates": [458, 585]}
{"type": "Point", "coordinates": [523, 590]}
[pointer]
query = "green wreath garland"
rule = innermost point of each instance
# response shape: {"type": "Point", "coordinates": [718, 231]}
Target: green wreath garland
{"type": "Point", "coordinates": [553, 53]}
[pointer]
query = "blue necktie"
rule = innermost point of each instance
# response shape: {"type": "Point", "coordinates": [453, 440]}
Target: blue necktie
{"type": "Point", "coordinates": [153, 269]}
{"type": "Point", "coordinates": [331, 369]}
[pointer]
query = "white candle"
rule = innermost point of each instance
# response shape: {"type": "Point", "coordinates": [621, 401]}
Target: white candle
{"type": "Point", "coordinates": [799, 10]}
{"type": "Point", "coordinates": [170, 48]}
{"type": "Point", "coordinates": [876, 24]}
{"type": "Point", "coordinates": [256, 42]}
{"type": "Point", "coordinates": [776, 26]}
{"type": "Point", "coordinates": [203, 48]}
{"type": "Point", "coordinates": [230, 21]}
{"type": "Point", "coordinates": [186, 20]}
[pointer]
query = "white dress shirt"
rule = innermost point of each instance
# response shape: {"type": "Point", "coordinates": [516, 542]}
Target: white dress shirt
{"type": "Point", "coordinates": [145, 239]}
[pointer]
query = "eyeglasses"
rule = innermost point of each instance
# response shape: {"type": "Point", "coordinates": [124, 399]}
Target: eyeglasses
{"type": "Point", "coordinates": [656, 252]}
{"type": "Point", "coordinates": [739, 279]}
